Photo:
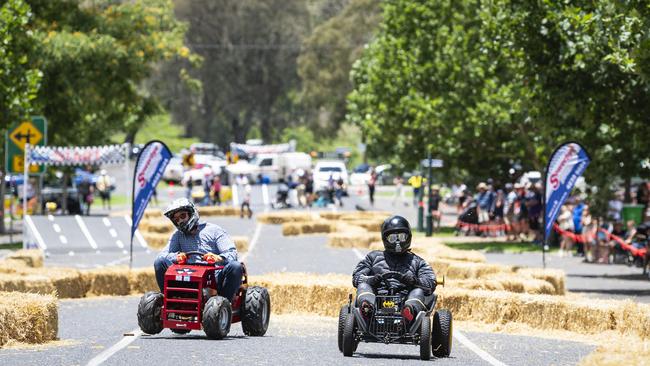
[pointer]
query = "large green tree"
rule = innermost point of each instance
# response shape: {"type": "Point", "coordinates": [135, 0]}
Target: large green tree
{"type": "Point", "coordinates": [95, 57]}
{"type": "Point", "coordinates": [484, 84]}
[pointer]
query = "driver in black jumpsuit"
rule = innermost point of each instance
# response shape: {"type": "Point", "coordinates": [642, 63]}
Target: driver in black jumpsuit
{"type": "Point", "coordinates": [415, 278]}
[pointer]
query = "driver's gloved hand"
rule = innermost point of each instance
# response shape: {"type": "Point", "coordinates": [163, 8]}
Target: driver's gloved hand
{"type": "Point", "coordinates": [181, 258]}
{"type": "Point", "coordinates": [212, 258]}
{"type": "Point", "coordinates": [408, 279]}
{"type": "Point", "coordinates": [373, 281]}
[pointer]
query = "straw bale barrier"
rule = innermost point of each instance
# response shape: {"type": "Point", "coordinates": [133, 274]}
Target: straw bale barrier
{"type": "Point", "coordinates": [241, 243]}
{"type": "Point", "coordinates": [619, 351]}
{"type": "Point", "coordinates": [510, 283]}
{"type": "Point", "coordinates": [352, 239]}
{"type": "Point", "coordinates": [219, 211]}
{"type": "Point", "coordinates": [156, 226]}
{"type": "Point", "coordinates": [28, 318]}
{"type": "Point", "coordinates": [276, 218]}
{"type": "Point", "coordinates": [108, 281]}
{"type": "Point", "coordinates": [308, 227]}
{"type": "Point", "coordinates": [556, 277]}
{"type": "Point", "coordinates": [142, 280]}
{"type": "Point", "coordinates": [30, 257]}
{"type": "Point", "coordinates": [39, 284]}
{"type": "Point", "coordinates": [305, 293]}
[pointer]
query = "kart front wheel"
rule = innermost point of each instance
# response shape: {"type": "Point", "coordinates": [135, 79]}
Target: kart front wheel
{"type": "Point", "coordinates": [216, 317]}
{"type": "Point", "coordinates": [342, 314]}
{"type": "Point", "coordinates": [442, 333]}
{"type": "Point", "coordinates": [149, 309]}
{"type": "Point", "coordinates": [257, 311]}
{"type": "Point", "coordinates": [425, 339]}
{"type": "Point", "coordinates": [349, 343]}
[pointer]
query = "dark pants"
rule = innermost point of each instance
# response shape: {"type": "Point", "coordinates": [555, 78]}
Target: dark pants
{"type": "Point", "coordinates": [247, 205]}
{"type": "Point", "coordinates": [415, 298]}
{"type": "Point", "coordinates": [228, 279]}
{"type": "Point", "coordinates": [371, 193]}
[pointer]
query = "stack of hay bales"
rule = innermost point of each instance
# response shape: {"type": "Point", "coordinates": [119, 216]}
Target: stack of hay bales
{"type": "Point", "coordinates": [276, 218]}
{"type": "Point", "coordinates": [352, 239]}
{"type": "Point", "coordinates": [28, 318]}
{"type": "Point", "coordinates": [308, 227]}
{"type": "Point", "coordinates": [30, 257]}
{"type": "Point", "coordinates": [219, 211]}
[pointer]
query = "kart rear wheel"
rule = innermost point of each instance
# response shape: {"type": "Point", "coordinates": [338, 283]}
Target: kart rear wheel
{"type": "Point", "coordinates": [342, 314]}
{"type": "Point", "coordinates": [149, 309]}
{"type": "Point", "coordinates": [442, 333]}
{"type": "Point", "coordinates": [216, 317]}
{"type": "Point", "coordinates": [425, 339]}
{"type": "Point", "coordinates": [180, 331]}
{"type": "Point", "coordinates": [257, 311]}
{"type": "Point", "coordinates": [349, 330]}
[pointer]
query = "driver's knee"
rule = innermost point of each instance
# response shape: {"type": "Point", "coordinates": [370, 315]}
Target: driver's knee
{"type": "Point", "coordinates": [234, 270]}
{"type": "Point", "coordinates": [160, 264]}
{"type": "Point", "coordinates": [365, 292]}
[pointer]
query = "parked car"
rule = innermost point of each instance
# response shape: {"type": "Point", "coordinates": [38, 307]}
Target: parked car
{"type": "Point", "coordinates": [174, 170]}
{"type": "Point", "coordinates": [276, 166]}
{"type": "Point", "coordinates": [361, 174]}
{"type": "Point", "coordinates": [324, 169]}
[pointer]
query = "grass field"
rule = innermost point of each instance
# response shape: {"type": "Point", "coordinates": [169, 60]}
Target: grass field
{"type": "Point", "coordinates": [500, 247]}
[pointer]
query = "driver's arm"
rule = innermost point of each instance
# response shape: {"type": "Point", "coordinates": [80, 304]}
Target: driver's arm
{"type": "Point", "coordinates": [225, 246]}
{"type": "Point", "coordinates": [425, 275]}
{"type": "Point", "coordinates": [172, 248]}
{"type": "Point", "coordinates": [363, 269]}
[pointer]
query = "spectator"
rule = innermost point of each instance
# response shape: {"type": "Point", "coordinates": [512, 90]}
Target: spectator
{"type": "Point", "coordinates": [339, 189]}
{"type": "Point", "coordinates": [399, 190]}
{"type": "Point", "coordinates": [577, 222]}
{"type": "Point", "coordinates": [462, 196]}
{"type": "Point", "coordinates": [534, 203]}
{"type": "Point", "coordinates": [484, 199]}
{"type": "Point", "coordinates": [565, 222]}
{"type": "Point", "coordinates": [371, 186]}
{"type": "Point", "coordinates": [216, 191]}
{"type": "Point", "coordinates": [416, 183]}
{"type": "Point", "coordinates": [614, 207]}
{"type": "Point", "coordinates": [85, 191]}
{"type": "Point", "coordinates": [434, 203]}
{"type": "Point", "coordinates": [521, 212]}
{"type": "Point", "coordinates": [498, 211]}
{"type": "Point", "coordinates": [246, 202]}
{"type": "Point", "coordinates": [509, 211]}
{"type": "Point", "coordinates": [104, 188]}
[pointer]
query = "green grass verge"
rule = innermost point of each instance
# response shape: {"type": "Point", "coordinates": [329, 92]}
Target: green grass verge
{"type": "Point", "coordinates": [445, 231]}
{"type": "Point", "coordinates": [12, 246]}
{"type": "Point", "coordinates": [500, 247]}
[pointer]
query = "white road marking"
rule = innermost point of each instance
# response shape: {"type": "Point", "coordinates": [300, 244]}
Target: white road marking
{"type": "Point", "coordinates": [474, 348]}
{"type": "Point", "coordinates": [63, 239]}
{"type": "Point", "coordinates": [85, 231]}
{"type": "Point", "coordinates": [256, 237]}
{"type": "Point", "coordinates": [117, 261]}
{"type": "Point", "coordinates": [57, 228]}
{"type": "Point", "coordinates": [106, 221]}
{"type": "Point", "coordinates": [358, 253]}
{"type": "Point", "coordinates": [71, 253]}
{"type": "Point", "coordinates": [113, 232]}
{"type": "Point", "coordinates": [37, 235]}
{"type": "Point", "coordinates": [138, 235]}
{"type": "Point", "coordinates": [102, 357]}
{"type": "Point", "coordinates": [50, 217]}
{"type": "Point", "coordinates": [119, 244]}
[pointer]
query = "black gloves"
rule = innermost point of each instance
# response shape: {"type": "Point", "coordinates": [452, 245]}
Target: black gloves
{"type": "Point", "coordinates": [408, 279]}
{"type": "Point", "coordinates": [373, 281]}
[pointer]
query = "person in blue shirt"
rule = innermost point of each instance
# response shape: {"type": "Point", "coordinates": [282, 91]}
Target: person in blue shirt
{"type": "Point", "coordinates": [210, 239]}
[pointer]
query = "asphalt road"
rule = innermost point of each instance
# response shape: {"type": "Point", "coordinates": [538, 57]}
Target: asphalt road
{"type": "Point", "coordinates": [92, 326]}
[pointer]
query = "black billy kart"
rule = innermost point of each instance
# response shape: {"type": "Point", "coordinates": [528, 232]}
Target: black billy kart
{"type": "Point", "coordinates": [431, 329]}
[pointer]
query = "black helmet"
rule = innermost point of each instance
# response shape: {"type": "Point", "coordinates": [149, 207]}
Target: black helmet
{"type": "Point", "coordinates": [396, 234]}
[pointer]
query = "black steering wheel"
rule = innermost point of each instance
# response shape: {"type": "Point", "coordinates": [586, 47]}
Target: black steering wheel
{"type": "Point", "coordinates": [400, 276]}
{"type": "Point", "coordinates": [199, 261]}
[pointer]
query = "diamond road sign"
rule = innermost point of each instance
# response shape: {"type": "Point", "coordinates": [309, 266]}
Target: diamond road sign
{"type": "Point", "coordinates": [32, 132]}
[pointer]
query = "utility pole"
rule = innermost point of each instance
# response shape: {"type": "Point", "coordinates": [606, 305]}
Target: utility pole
{"type": "Point", "coordinates": [430, 195]}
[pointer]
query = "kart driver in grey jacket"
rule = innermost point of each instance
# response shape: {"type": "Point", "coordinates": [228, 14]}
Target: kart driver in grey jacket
{"type": "Point", "coordinates": [396, 268]}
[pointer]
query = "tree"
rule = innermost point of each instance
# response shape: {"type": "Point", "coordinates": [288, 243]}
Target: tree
{"type": "Point", "coordinates": [326, 59]}
{"type": "Point", "coordinates": [95, 57]}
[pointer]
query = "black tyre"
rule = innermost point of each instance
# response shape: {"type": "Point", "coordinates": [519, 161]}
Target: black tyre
{"type": "Point", "coordinates": [425, 339]}
{"type": "Point", "coordinates": [149, 310]}
{"type": "Point", "coordinates": [256, 311]}
{"type": "Point", "coordinates": [180, 331]}
{"type": "Point", "coordinates": [217, 315]}
{"type": "Point", "coordinates": [349, 330]}
{"type": "Point", "coordinates": [342, 314]}
{"type": "Point", "coordinates": [442, 333]}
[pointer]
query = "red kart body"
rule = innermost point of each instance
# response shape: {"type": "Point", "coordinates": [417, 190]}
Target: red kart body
{"type": "Point", "coordinates": [187, 287]}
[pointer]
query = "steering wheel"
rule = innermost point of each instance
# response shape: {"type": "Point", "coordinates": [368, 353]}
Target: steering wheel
{"type": "Point", "coordinates": [198, 254]}
{"type": "Point", "coordinates": [399, 276]}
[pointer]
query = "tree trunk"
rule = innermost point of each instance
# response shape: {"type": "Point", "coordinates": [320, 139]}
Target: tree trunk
{"type": "Point", "coordinates": [628, 190]}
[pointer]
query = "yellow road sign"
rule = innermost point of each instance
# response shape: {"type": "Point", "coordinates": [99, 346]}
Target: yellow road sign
{"type": "Point", "coordinates": [18, 164]}
{"type": "Point", "coordinates": [25, 133]}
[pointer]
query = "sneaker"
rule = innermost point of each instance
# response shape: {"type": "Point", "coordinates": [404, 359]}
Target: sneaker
{"type": "Point", "coordinates": [366, 309]}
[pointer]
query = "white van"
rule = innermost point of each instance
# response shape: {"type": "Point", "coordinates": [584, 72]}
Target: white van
{"type": "Point", "coordinates": [324, 169]}
{"type": "Point", "coordinates": [276, 166]}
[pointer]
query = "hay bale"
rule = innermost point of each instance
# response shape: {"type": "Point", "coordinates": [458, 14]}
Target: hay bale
{"type": "Point", "coordinates": [292, 228]}
{"type": "Point", "coordinates": [28, 318]}
{"type": "Point", "coordinates": [142, 280]}
{"type": "Point", "coordinates": [504, 282]}
{"type": "Point", "coordinates": [108, 281]}
{"type": "Point", "coordinates": [30, 257]}
{"type": "Point", "coordinates": [241, 243]}
{"type": "Point", "coordinates": [556, 277]}
{"type": "Point", "coordinates": [365, 215]}
{"type": "Point", "coordinates": [351, 240]}
{"type": "Point", "coordinates": [39, 284]}
{"type": "Point", "coordinates": [302, 293]}
{"type": "Point", "coordinates": [156, 240]}
{"type": "Point", "coordinates": [276, 218]}
{"type": "Point", "coordinates": [157, 226]}
{"type": "Point", "coordinates": [152, 213]}
{"type": "Point", "coordinates": [68, 282]}
{"type": "Point", "coordinates": [219, 210]}
{"type": "Point", "coordinates": [467, 270]}
{"type": "Point", "coordinates": [619, 351]}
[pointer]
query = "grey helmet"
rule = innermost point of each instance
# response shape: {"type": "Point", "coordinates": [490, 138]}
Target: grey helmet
{"type": "Point", "coordinates": [183, 204]}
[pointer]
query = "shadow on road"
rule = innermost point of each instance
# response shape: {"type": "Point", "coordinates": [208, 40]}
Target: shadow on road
{"type": "Point", "coordinates": [627, 276]}
{"type": "Point", "coordinates": [625, 292]}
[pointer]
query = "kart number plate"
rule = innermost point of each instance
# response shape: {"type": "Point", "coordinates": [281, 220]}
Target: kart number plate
{"type": "Point", "coordinates": [183, 278]}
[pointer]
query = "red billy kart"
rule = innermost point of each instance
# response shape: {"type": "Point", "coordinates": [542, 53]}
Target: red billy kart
{"type": "Point", "coordinates": [190, 302]}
